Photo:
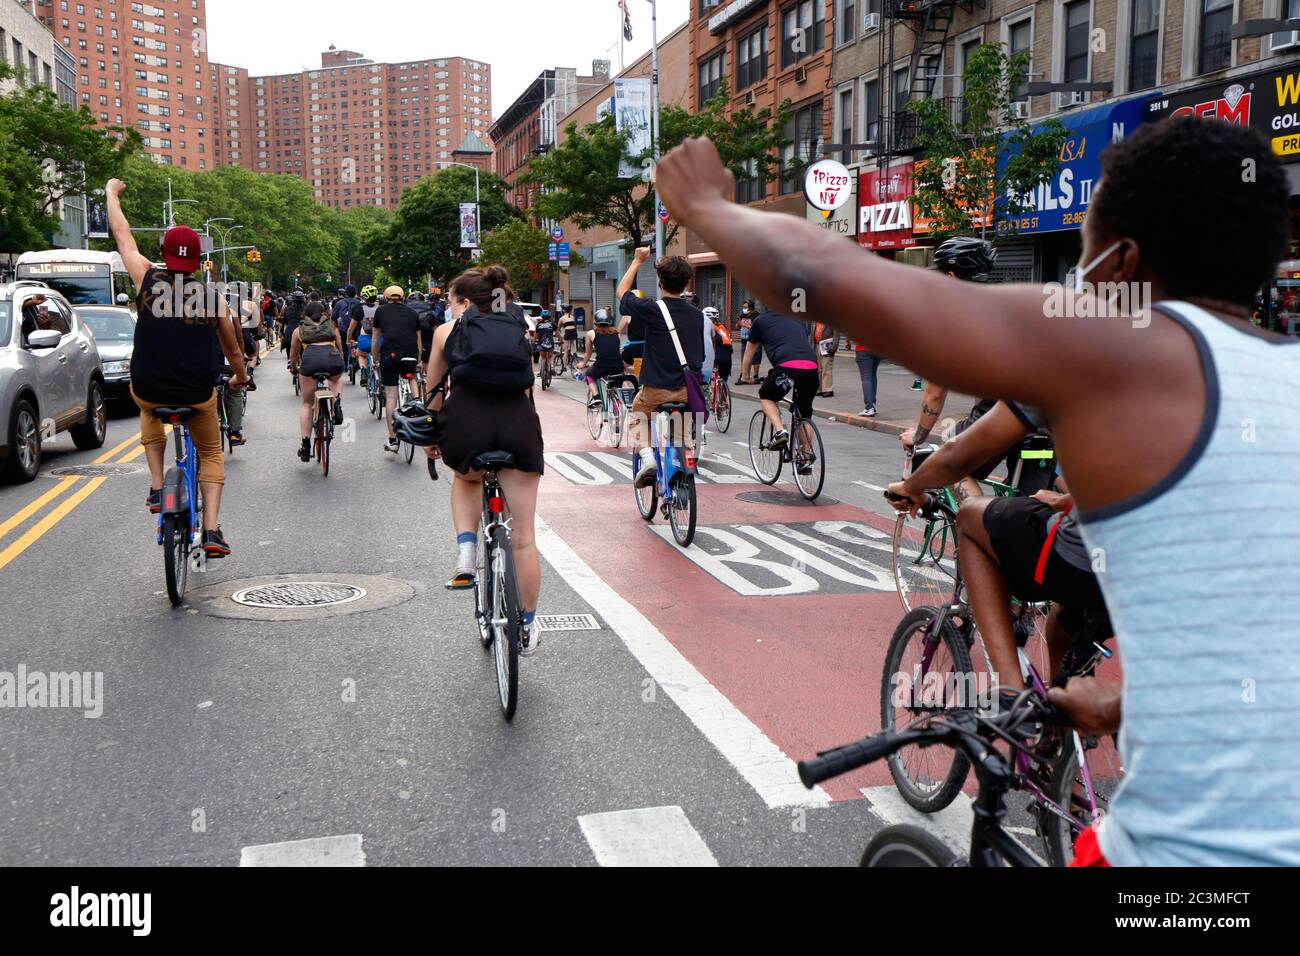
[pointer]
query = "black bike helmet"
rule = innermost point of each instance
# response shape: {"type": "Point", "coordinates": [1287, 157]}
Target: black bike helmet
{"type": "Point", "coordinates": [416, 425]}
{"type": "Point", "coordinates": [966, 257]}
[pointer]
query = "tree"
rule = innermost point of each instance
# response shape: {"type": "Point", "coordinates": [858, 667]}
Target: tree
{"type": "Point", "coordinates": [580, 179]}
{"type": "Point", "coordinates": [50, 152]}
{"type": "Point", "coordinates": [423, 238]}
{"type": "Point", "coordinates": [959, 184]}
{"type": "Point", "coordinates": [524, 251]}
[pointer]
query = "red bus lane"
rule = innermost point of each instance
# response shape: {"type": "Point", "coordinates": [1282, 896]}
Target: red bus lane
{"type": "Point", "coordinates": [786, 609]}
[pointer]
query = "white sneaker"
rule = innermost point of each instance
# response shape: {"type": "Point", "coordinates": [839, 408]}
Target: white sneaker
{"type": "Point", "coordinates": [529, 639]}
{"type": "Point", "coordinates": [646, 476]}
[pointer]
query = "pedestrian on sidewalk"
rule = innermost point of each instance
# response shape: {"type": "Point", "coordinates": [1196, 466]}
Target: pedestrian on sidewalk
{"type": "Point", "coordinates": [868, 365]}
{"type": "Point", "coordinates": [825, 339]}
{"type": "Point", "coordinates": [745, 321]}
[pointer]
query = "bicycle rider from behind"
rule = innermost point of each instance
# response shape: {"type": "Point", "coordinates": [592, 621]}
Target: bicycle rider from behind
{"type": "Point", "coordinates": [396, 336]}
{"type": "Point", "coordinates": [489, 408]}
{"type": "Point", "coordinates": [359, 335]}
{"type": "Point", "coordinates": [794, 366]}
{"type": "Point", "coordinates": [317, 349]}
{"type": "Point", "coordinates": [722, 345]}
{"type": "Point", "coordinates": [603, 343]}
{"type": "Point", "coordinates": [544, 337]}
{"type": "Point", "coordinates": [174, 363]}
{"type": "Point", "coordinates": [568, 336]}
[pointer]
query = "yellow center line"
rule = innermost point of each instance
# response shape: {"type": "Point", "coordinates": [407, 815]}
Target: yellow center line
{"type": "Point", "coordinates": [109, 454]}
{"type": "Point", "coordinates": [49, 521]}
{"type": "Point", "coordinates": [38, 504]}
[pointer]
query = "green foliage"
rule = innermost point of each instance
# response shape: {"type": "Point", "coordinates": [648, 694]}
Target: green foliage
{"type": "Point", "coordinates": [957, 184]}
{"type": "Point", "coordinates": [580, 179]}
{"type": "Point", "coordinates": [424, 237]}
{"type": "Point", "coordinates": [523, 250]}
{"type": "Point", "coordinates": [49, 151]}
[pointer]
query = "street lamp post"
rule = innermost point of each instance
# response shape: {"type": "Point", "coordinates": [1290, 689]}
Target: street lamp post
{"type": "Point", "coordinates": [654, 121]}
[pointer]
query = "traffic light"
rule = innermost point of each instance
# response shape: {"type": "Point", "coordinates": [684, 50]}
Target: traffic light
{"type": "Point", "coordinates": [253, 256]}
{"type": "Point", "coordinates": [208, 265]}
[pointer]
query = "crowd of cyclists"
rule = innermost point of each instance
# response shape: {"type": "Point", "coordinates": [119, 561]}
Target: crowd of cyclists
{"type": "Point", "coordinates": [1144, 418]}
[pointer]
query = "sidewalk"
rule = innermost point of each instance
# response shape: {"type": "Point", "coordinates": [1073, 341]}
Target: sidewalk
{"type": "Point", "coordinates": [897, 406]}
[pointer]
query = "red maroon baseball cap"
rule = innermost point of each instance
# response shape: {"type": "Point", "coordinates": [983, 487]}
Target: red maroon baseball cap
{"type": "Point", "coordinates": [181, 249]}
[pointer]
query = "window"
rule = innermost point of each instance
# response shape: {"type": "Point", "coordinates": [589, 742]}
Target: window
{"type": "Point", "coordinates": [711, 72]}
{"type": "Point", "coordinates": [844, 123]}
{"type": "Point", "coordinates": [1216, 39]}
{"type": "Point", "coordinates": [871, 111]}
{"type": "Point", "coordinates": [1020, 37]}
{"type": "Point", "coordinates": [752, 186]}
{"type": "Point", "coordinates": [1077, 15]}
{"type": "Point", "coordinates": [846, 15]}
{"type": "Point", "coordinates": [802, 31]}
{"type": "Point", "coordinates": [1146, 41]}
{"type": "Point", "coordinates": [751, 58]}
{"type": "Point", "coordinates": [805, 133]}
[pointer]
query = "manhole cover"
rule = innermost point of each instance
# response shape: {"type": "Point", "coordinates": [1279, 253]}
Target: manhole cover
{"type": "Point", "coordinates": [567, 622]}
{"type": "Point", "coordinates": [782, 498]}
{"type": "Point", "coordinates": [298, 594]}
{"type": "Point", "coordinates": [95, 471]}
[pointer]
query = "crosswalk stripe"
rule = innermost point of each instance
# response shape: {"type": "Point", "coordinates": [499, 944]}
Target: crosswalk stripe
{"type": "Point", "coordinates": [952, 824]}
{"type": "Point", "coordinates": [756, 758]}
{"type": "Point", "coordinates": [653, 836]}
{"type": "Point", "coordinates": [318, 851]}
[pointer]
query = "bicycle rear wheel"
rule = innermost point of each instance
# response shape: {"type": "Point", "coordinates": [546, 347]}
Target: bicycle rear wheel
{"type": "Point", "coordinates": [483, 589]}
{"type": "Point", "coordinates": [682, 509]}
{"type": "Point", "coordinates": [323, 446]}
{"type": "Point", "coordinates": [1069, 793]}
{"type": "Point", "coordinates": [647, 498]}
{"type": "Point", "coordinates": [505, 622]}
{"type": "Point", "coordinates": [374, 400]}
{"type": "Point", "coordinates": [176, 555]}
{"type": "Point", "coordinates": [924, 561]}
{"type": "Point", "coordinates": [595, 420]}
{"type": "Point", "coordinates": [906, 845]}
{"type": "Point", "coordinates": [722, 407]}
{"type": "Point", "coordinates": [813, 461]}
{"type": "Point", "coordinates": [410, 452]}
{"type": "Point", "coordinates": [766, 461]}
{"type": "Point", "coordinates": [925, 675]}
{"type": "Point", "coordinates": [617, 415]}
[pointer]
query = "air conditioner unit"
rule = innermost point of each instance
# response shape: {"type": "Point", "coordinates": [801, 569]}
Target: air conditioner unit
{"type": "Point", "coordinates": [870, 21]}
{"type": "Point", "coordinates": [1073, 98]}
{"type": "Point", "coordinates": [801, 74]}
{"type": "Point", "coordinates": [750, 99]}
{"type": "Point", "coordinates": [1020, 109]}
{"type": "Point", "coordinates": [1284, 40]}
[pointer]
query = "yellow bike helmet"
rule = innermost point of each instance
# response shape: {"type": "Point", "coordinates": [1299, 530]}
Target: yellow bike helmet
{"type": "Point", "coordinates": [369, 292]}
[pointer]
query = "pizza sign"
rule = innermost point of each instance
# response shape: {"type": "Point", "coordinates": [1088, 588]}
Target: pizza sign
{"type": "Point", "coordinates": [827, 185]}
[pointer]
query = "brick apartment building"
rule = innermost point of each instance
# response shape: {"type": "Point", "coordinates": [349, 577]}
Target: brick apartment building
{"type": "Point", "coordinates": [143, 65]}
{"type": "Point", "coordinates": [360, 132]}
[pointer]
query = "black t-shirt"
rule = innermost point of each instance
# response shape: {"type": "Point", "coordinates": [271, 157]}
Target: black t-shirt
{"type": "Point", "coordinates": [545, 334]}
{"type": "Point", "coordinates": [783, 339]}
{"type": "Point", "coordinates": [176, 358]}
{"type": "Point", "coordinates": [605, 349]}
{"type": "Point", "coordinates": [293, 310]}
{"type": "Point", "coordinates": [398, 325]}
{"type": "Point", "coordinates": [660, 367]}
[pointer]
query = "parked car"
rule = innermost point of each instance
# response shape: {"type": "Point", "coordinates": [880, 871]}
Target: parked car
{"type": "Point", "coordinates": [50, 377]}
{"type": "Point", "coordinates": [114, 329]}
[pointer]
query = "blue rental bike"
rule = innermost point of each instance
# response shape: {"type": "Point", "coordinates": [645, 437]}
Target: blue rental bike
{"type": "Point", "coordinates": [675, 465]}
{"type": "Point", "coordinates": [180, 519]}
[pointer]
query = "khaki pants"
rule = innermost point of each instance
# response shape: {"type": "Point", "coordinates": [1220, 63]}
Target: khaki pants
{"type": "Point", "coordinates": [204, 429]}
{"type": "Point", "coordinates": [825, 372]}
{"type": "Point", "coordinates": [644, 406]}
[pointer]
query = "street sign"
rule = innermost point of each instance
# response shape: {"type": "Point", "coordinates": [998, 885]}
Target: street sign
{"type": "Point", "coordinates": [663, 212]}
{"type": "Point", "coordinates": [552, 251]}
{"type": "Point", "coordinates": [557, 232]}
{"type": "Point", "coordinates": [564, 255]}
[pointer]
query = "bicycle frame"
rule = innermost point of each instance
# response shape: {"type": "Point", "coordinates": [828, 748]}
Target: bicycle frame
{"type": "Point", "coordinates": [180, 492]}
{"type": "Point", "coordinates": [670, 457]}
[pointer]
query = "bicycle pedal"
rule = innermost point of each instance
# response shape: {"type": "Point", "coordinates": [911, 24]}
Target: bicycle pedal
{"type": "Point", "coordinates": [198, 561]}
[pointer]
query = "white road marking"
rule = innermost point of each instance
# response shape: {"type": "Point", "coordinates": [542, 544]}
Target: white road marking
{"type": "Point", "coordinates": [655, 836]}
{"type": "Point", "coordinates": [319, 851]}
{"type": "Point", "coordinates": [951, 824]}
{"type": "Point", "coordinates": [867, 484]}
{"type": "Point", "coordinates": [756, 758]}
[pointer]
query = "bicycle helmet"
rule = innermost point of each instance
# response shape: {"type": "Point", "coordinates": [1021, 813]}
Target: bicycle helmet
{"type": "Point", "coordinates": [299, 294]}
{"type": "Point", "coordinates": [546, 314]}
{"type": "Point", "coordinates": [369, 292]}
{"type": "Point", "coordinates": [711, 313]}
{"type": "Point", "coordinates": [966, 257]}
{"type": "Point", "coordinates": [416, 425]}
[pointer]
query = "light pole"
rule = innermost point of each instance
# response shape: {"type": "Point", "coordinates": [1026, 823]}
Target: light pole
{"type": "Point", "coordinates": [654, 121]}
{"type": "Point", "coordinates": [225, 242]}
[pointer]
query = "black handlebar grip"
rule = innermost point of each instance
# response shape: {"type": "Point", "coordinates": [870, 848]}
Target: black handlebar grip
{"type": "Point", "coordinates": [841, 760]}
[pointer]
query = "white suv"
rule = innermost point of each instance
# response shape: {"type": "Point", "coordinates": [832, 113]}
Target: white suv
{"type": "Point", "coordinates": [50, 377]}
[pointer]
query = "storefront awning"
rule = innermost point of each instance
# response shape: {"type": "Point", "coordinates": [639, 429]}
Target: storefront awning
{"type": "Point", "coordinates": [698, 259]}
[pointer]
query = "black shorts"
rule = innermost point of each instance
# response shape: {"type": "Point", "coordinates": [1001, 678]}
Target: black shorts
{"type": "Point", "coordinates": [780, 380]}
{"type": "Point", "coordinates": [390, 368]}
{"type": "Point", "coordinates": [320, 360]}
{"type": "Point", "coordinates": [1036, 475]}
{"type": "Point", "coordinates": [475, 422]}
{"type": "Point", "coordinates": [571, 335]}
{"type": "Point", "coordinates": [250, 343]}
{"type": "Point", "coordinates": [631, 353]}
{"type": "Point", "coordinates": [723, 361]}
{"type": "Point", "coordinates": [1017, 529]}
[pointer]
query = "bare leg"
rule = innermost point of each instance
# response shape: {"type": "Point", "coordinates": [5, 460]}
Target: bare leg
{"type": "Point", "coordinates": [391, 393]}
{"type": "Point", "coordinates": [521, 496]}
{"type": "Point", "coordinates": [308, 405]}
{"type": "Point", "coordinates": [990, 598]}
{"type": "Point", "coordinates": [211, 505]}
{"type": "Point", "coordinates": [154, 455]}
{"type": "Point", "coordinates": [466, 501]}
{"type": "Point", "coordinates": [773, 414]}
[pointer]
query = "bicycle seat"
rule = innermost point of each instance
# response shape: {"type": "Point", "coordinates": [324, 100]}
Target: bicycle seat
{"type": "Point", "coordinates": [408, 362]}
{"type": "Point", "coordinates": [674, 407]}
{"type": "Point", "coordinates": [173, 415]}
{"type": "Point", "coordinates": [494, 459]}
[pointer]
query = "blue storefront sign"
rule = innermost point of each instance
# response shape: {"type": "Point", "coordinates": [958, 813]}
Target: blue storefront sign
{"type": "Point", "coordinates": [1062, 202]}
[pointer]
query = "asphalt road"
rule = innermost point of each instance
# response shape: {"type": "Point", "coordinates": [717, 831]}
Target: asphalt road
{"type": "Point", "coordinates": [380, 726]}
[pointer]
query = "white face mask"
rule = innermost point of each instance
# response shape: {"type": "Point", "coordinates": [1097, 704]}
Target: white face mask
{"type": "Point", "coordinates": [1080, 272]}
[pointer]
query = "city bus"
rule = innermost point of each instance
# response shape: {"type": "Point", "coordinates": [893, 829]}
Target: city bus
{"type": "Point", "coordinates": [82, 276]}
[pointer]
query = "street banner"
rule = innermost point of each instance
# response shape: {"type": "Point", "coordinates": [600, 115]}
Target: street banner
{"type": "Point", "coordinates": [469, 225]}
{"type": "Point", "coordinates": [96, 219]}
{"type": "Point", "coordinates": [632, 115]}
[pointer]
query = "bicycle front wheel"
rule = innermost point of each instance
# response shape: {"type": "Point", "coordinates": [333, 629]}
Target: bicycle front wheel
{"type": "Point", "coordinates": [505, 622]}
{"type": "Point", "coordinates": [809, 463]}
{"type": "Point", "coordinates": [925, 675]}
{"type": "Point", "coordinates": [595, 420]}
{"type": "Point", "coordinates": [647, 498]}
{"type": "Point", "coordinates": [924, 561]}
{"type": "Point", "coordinates": [176, 555]}
{"type": "Point", "coordinates": [906, 845]}
{"type": "Point", "coordinates": [722, 406]}
{"type": "Point", "coordinates": [766, 461]}
{"type": "Point", "coordinates": [1069, 793]}
{"type": "Point", "coordinates": [617, 417]}
{"type": "Point", "coordinates": [682, 509]}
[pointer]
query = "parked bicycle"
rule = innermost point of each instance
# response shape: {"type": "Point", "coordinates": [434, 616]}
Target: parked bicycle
{"type": "Point", "coordinates": [675, 464]}
{"type": "Point", "coordinates": [803, 451]}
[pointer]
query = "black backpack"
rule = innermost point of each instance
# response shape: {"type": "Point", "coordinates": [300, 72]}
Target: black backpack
{"type": "Point", "coordinates": [487, 352]}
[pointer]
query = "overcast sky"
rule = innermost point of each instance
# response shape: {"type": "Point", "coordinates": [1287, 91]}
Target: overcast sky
{"type": "Point", "coordinates": [519, 38]}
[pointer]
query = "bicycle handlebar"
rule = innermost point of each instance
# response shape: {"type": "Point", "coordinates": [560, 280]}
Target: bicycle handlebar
{"type": "Point", "coordinates": [840, 760]}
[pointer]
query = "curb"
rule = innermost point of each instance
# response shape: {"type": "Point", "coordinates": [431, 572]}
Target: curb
{"type": "Point", "coordinates": [871, 424]}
